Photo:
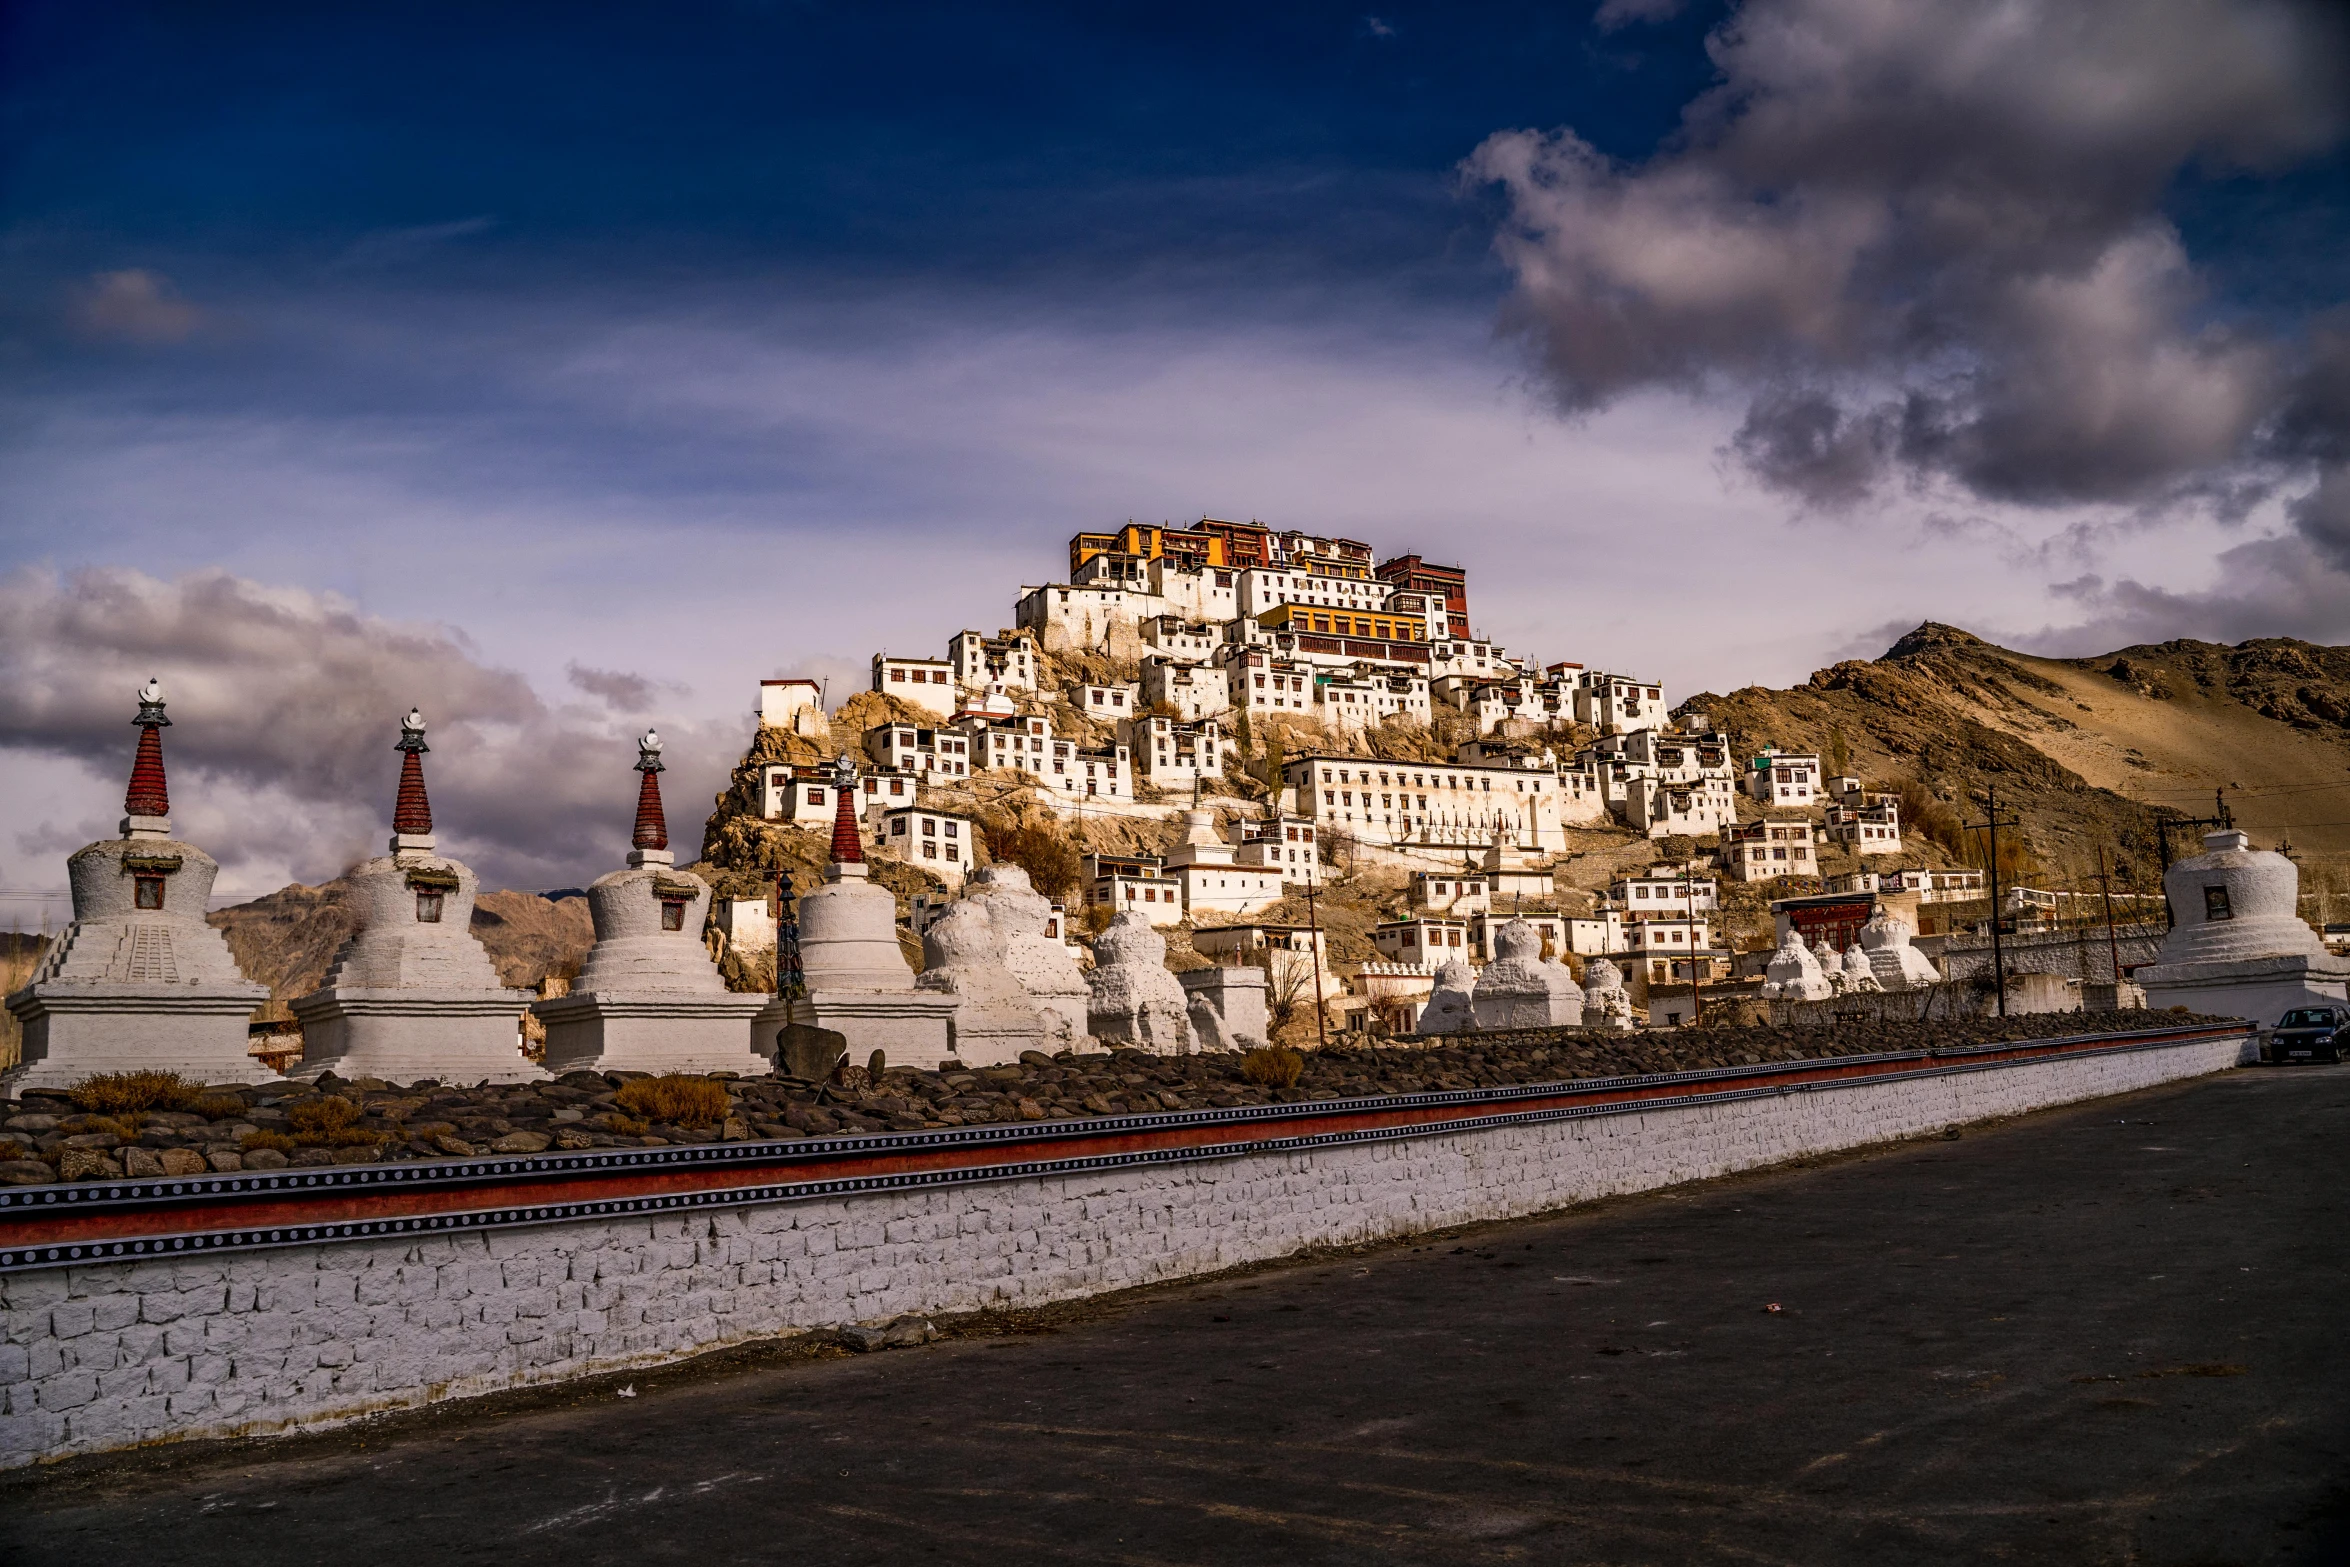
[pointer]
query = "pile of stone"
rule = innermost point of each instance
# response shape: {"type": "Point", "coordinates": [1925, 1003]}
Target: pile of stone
{"type": "Point", "coordinates": [45, 1137]}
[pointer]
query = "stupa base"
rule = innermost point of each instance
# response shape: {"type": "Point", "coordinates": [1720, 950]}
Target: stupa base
{"type": "Point", "coordinates": [2258, 989]}
{"type": "Point", "coordinates": [72, 1032]}
{"type": "Point", "coordinates": [402, 1036]}
{"type": "Point", "coordinates": [652, 1031]}
{"type": "Point", "coordinates": [909, 1027]}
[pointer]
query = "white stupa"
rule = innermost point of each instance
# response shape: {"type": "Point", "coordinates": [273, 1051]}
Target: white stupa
{"type": "Point", "coordinates": [1793, 974]}
{"type": "Point", "coordinates": [2240, 947]}
{"type": "Point", "coordinates": [858, 982]}
{"type": "Point", "coordinates": [1522, 989]}
{"type": "Point", "coordinates": [413, 995]}
{"type": "Point", "coordinates": [1884, 945]}
{"type": "Point", "coordinates": [648, 998]}
{"type": "Point", "coordinates": [138, 982]}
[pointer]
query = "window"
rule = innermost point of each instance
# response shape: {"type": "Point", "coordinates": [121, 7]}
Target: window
{"type": "Point", "coordinates": [147, 892]}
{"type": "Point", "coordinates": [2215, 904]}
{"type": "Point", "coordinates": [815, 797]}
{"type": "Point", "coordinates": [428, 908]}
{"type": "Point", "coordinates": [673, 914]}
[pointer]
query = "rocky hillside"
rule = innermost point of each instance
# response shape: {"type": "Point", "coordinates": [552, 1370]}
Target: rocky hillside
{"type": "Point", "coordinates": [2087, 752]}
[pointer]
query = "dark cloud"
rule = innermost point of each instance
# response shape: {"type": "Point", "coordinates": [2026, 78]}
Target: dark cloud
{"type": "Point", "coordinates": [623, 693]}
{"type": "Point", "coordinates": [2274, 587]}
{"type": "Point", "coordinates": [285, 704]}
{"type": "Point", "coordinates": [1930, 243]}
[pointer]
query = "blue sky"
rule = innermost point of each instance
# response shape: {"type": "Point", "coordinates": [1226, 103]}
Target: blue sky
{"type": "Point", "coordinates": [696, 343]}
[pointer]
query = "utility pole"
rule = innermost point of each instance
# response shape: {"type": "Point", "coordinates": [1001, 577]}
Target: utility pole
{"type": "Point", "coordinates": [1314, 951]}
{"type": "Point", "coordinates": [1991, 825]}
{"type": "Point", "coordinates": [1696, 986]}
{"type": "Point", "coordinates": [2112, 945]}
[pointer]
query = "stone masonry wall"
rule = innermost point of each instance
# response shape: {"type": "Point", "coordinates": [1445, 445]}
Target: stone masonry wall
{"type": "Point", "coordinates": [116, 1355]}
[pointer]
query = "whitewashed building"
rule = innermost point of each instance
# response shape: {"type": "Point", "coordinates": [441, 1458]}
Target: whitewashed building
{"type": "Point", "coordinates": [1865, 829]}
{"type": "Point", "coordinates": [1697, 809]}
{"type": "Point", "coordinates": [1015, 744]}
{"type": "Point", "coordinates": [979, 661]}
{"type": "Point", "coordinates": [1209, 872]}
{"type": "Point", "coordinates": [1434, 804]}
{"type": "Point", "coordinates": [1138, 884]}
{"type": "Point", "coordinates": [1451, 892]}
{"type": "Point", "coordinates": [1428, 941]}
{"type": "Point", "coordinates": [803, 796]}
{"type": "Point", "coordinates": [925, 682]}
{"type": "Point", "coordinates": [1599, 935]}
{"type": "Point", "coordinates": [1618, 704]}
{"type": "Point", "coordinates": [1112, 704]}
{"type": "Point", "coordinates": [1282, 843]}
{"type": "Point", "coordinates": [1175, 756]}
{"type": "Point", "coordinates": [1640, 896]}
{"type": "Point", "coordinates": [1184, 641]}
{"type": "Point", "coordinates": [911, 749]}
{"type": "Point", "coordinates": [941, 842]}
{"type": "Point", "coordinates": [1366, 697]}
{"type": "Point", "coordinates": [1787, 780]}
{"type": "Point", "coordinates": [1766, 850]}
{"type": "Point", "coordinates": [793, 705]}
{"type": "Point", "coordinates": [1193, 691]}
{"type": "Point", "coordinates": [1259, 682]}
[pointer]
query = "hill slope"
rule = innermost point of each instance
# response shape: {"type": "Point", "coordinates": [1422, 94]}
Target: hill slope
{"type": "Point", "coordinates": [2086, 752]}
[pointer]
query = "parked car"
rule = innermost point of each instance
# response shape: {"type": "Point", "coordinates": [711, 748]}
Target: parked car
{"type": "Point", "coordinates": [2310, 1034]}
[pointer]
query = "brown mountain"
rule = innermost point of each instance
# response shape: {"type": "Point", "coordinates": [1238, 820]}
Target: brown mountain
{"type": "Point", "coordinates": [2086, 752]}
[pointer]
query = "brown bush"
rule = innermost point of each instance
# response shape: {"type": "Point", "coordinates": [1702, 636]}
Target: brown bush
{"type": "Point", "coordinates": [1041, 849]}
{"type": "Point", "coordinates": [112, 1093]}
{"type": "Point", "coordinates": [253, 1141]}
{"type": "Point", "coordinates": [323, 1116]}
{"type": "Point", "coordinates": [218, 1107]}
{"type": "Point", "coordinates": [1274, 1066]}
{"type": "Point", "coordinates": [682, 1101]}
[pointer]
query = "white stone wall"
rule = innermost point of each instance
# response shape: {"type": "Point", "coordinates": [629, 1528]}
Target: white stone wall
{"type": "Point", "coordinates": [114, 1355]}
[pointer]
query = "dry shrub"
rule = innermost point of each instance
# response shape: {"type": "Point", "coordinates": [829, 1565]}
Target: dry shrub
{"type": "Point", "coordinates": [113, 1093]}
{"type": "Point", "coordinates": [323, 1116]}
{"type": "Point", "coordinates": [218, 1107]}
{"type": "Point", "coordinates": [11, 1149]}
{"type": "Point", "coordinates": [681, 1101]}
{"type": "Point", "coordinates": [1040, 848]}
{"type": "Point", "coordinates": [1273, 1066]}
{"type": "Point", "coordinates": [253, 1141]}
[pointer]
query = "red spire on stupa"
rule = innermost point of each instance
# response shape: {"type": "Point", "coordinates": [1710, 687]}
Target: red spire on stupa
{"type": "Point", "coordinates": [412, 812]}
{"type": "Point", "coordinates": [652, 828]}
{"type": "Point", "coordinates": [148, 795]}
{"type": "Point", "coordinates": [847, 847]}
